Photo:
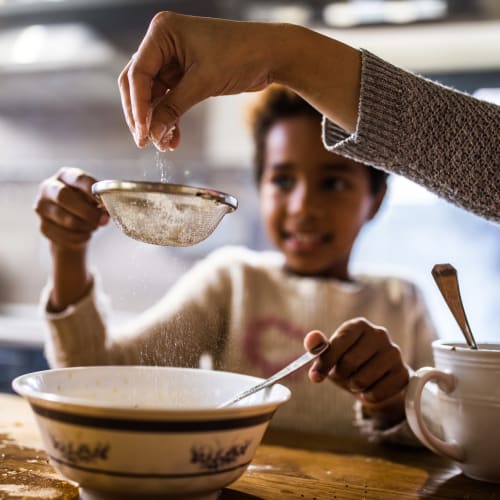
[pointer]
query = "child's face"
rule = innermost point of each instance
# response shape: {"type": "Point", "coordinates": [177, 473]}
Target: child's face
{"type": "Point", "coordinates": [313, 202]}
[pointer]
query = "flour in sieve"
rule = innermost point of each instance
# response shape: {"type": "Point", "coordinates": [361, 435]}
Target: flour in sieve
{"type": "Point", "coordinates": [174, 220]}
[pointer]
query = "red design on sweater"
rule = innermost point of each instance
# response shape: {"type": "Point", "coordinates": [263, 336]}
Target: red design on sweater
{"type": "Point", "coordinates": [265, 364]}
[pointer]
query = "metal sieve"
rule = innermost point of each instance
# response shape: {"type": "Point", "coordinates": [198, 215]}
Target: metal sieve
{"type": "Point", "coordinates": [162, 213]}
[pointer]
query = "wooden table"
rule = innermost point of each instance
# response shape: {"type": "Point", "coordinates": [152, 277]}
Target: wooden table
{"type": "Point", "coordinates": [286, 466]}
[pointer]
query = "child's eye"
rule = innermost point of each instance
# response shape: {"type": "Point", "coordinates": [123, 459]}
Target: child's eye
{"type": "Point", "coordinates": [334, 184]}
{"type": "Point", "coordinates": [284, 182]}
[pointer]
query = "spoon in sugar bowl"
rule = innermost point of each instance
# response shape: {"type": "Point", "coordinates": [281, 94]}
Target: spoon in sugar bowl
{"type": "Point", "coordinates": [290, 368]}
{"type": "Point", "coordinates": [446, 278]}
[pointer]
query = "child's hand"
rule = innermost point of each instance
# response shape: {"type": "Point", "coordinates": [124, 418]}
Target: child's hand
{"type": "Point", "coordinates": [68, 211]}
{"type": "Point", "coordinates": [363, 360]}
{"type": "Point", "coordinates": [69, 214]}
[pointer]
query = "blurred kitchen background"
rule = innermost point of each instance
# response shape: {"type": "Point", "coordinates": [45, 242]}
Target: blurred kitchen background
{"type": "Point", "coordinates": [59, 105]}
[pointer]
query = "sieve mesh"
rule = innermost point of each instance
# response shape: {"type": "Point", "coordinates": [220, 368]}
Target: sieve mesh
{"type": "Point", "coordinates": [164, 214]}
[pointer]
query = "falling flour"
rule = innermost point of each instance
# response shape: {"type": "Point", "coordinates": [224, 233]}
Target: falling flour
{"type": "Point", "coordinates": [164, 166]}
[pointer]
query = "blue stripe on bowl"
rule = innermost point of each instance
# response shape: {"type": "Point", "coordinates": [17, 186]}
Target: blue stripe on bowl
{"type": "Point", "coordinates": [151, 425]}
{"type": "Point", "coordinates": [149, 476]}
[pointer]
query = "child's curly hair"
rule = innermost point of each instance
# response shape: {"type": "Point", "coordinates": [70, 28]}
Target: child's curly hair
{"type": "Point", "coordinates": [278, 103]}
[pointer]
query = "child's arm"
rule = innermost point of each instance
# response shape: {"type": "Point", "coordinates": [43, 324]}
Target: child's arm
{"type": "Point", "coordinates": [69, 214]}
{"type": "Point", "coordinates": [363, 360]}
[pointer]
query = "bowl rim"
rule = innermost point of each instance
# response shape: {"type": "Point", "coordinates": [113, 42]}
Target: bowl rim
{"type": "Point", "coordinates": [87, 406]}
{"type": "Point", "coordinates": [111, 185]}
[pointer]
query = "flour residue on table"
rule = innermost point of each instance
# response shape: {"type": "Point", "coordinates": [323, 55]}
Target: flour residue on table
{"type": "Point", "coordinates": [26, 473]}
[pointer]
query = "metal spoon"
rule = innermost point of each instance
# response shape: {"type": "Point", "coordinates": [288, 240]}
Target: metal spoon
{"type": "Point", "coordinates": [292, 367]}
{"type": "Point", "coordinates": [446, 278]}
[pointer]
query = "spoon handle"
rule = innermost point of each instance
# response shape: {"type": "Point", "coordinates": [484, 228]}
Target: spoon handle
{"type": "Point", "coordinates": [446, 278]}
{"type": "Point", "coordinates": [290, 368]}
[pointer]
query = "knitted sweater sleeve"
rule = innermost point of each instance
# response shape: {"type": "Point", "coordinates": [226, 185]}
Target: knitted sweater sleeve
{"type": "Point", "coordinates": [176, 331]}
{"type": "Point", "coordinates": [443, 139]}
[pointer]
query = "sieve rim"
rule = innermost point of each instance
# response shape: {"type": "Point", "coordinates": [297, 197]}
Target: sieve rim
{"type": "Point", "coordinates": [111, 185]}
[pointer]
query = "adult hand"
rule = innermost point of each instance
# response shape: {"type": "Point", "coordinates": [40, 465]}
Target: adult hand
{"type": "Point", "coordinates": [363, 360]}
{"type": "Point", "coordinates": [183, 60]}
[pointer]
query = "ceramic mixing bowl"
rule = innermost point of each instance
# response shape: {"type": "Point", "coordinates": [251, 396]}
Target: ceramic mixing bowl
{"type": "Point", "coordinates": [139, 430]}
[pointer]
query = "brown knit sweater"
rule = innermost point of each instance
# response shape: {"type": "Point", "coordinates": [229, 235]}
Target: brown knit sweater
{"type": "Point", "coordinates": [445, 140]}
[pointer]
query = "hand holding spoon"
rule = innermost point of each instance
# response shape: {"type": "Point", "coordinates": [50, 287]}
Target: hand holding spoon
{"type": "Point", "coordinates": [446, 278]}
{"type": "Point", "coordinates": [290, 368]}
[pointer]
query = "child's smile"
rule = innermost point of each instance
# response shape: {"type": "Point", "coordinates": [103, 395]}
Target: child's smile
{"type": "Point", "coordinates": [304, 242]}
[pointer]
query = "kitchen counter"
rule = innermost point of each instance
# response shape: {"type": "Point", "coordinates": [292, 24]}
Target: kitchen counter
{"type": "Point", "coordinates": [288, 465]}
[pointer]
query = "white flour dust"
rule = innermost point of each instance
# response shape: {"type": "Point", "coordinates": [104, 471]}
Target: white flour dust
{"type": "Point", "coordinates": [164, 166]}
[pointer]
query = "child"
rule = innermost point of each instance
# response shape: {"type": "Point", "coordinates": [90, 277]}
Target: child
{"type": "Point", "coordinates": [251, 310]}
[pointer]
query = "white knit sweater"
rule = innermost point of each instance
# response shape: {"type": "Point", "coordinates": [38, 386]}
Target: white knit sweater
{"type": "Point", "coordinates": [251, 315]}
